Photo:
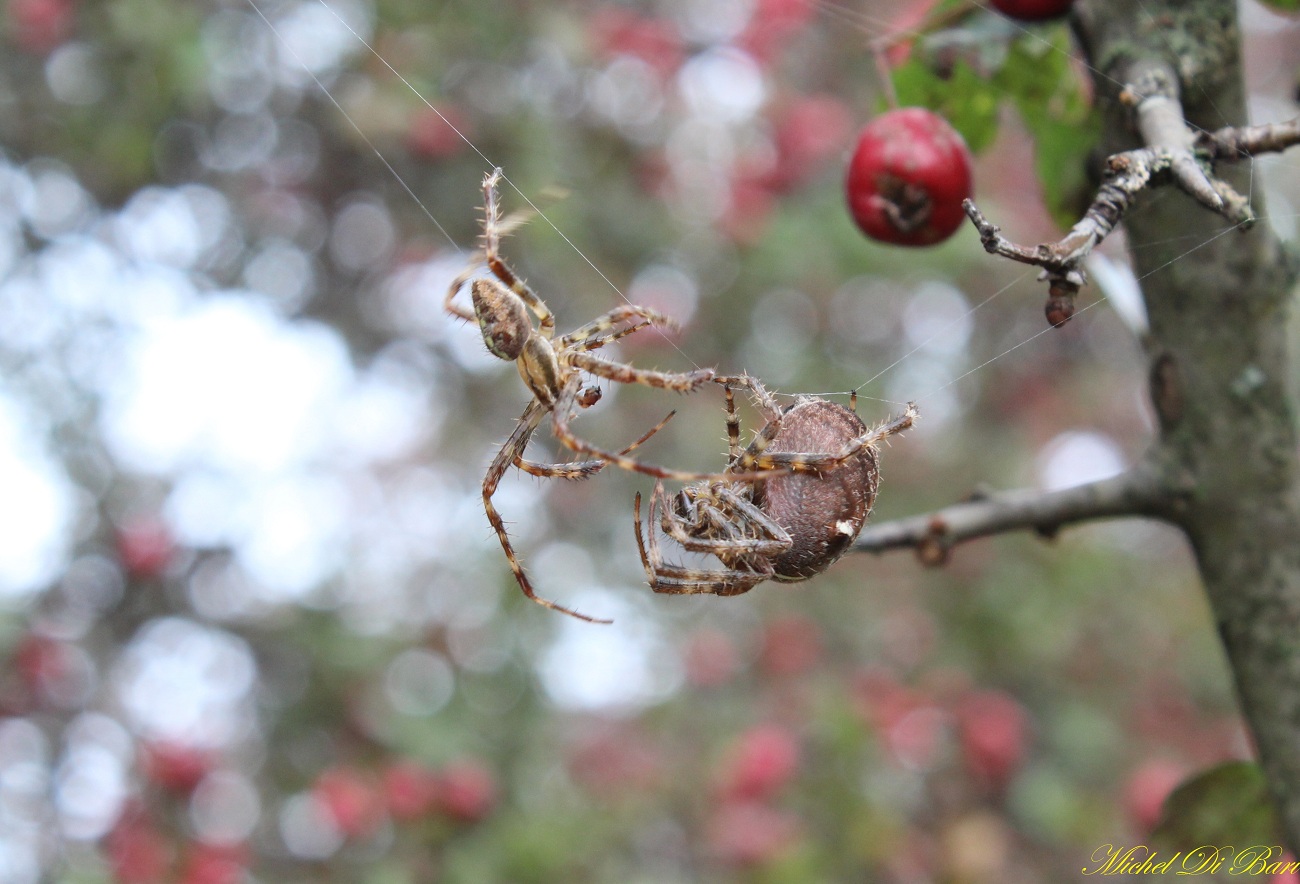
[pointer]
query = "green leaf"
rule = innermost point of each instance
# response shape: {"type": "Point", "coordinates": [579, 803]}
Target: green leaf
{"type": "Point", "coordinates": [1226, 806]}
{"type": "Point", "coordinates": [966, 100]}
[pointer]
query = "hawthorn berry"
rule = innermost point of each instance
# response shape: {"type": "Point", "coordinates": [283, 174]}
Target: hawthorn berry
{"type": "Point", "coordinates": [176, 767]}
{"type": "Point", "coordinates": [1147, 788]}
{"type": "Point", "coordinates": [761, 762]}
{"type": "Point", "coordinates": [1033, 10]}
{"type": "Point", "coordinates": [145, 547]}
{"type": "Point", "coordinates": [351, 800]}
{"type": "Point", "coordinates": [467, 791]}
{"type": "Point", "coordinates": [994, 732]}
{"type": "Point", "coordinates": [907, 178]}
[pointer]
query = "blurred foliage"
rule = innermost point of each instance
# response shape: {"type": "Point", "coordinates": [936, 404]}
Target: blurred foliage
{"type": "Point", "coordinates": [408, 716]}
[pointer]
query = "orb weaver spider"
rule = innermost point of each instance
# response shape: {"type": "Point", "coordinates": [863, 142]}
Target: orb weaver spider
{"type": "Point", "coordinates": [787, 527]}
{"type": "Point", "coordinates": [504, 307]}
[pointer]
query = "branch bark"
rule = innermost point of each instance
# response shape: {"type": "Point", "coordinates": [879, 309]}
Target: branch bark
{"type": "Point", "coordinates": [1139, 492]}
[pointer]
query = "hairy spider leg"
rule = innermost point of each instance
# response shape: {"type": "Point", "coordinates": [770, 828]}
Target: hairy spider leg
{"type": "Point", "coordinates": [756, 458]}
{"type": "Point", "coordinates": [622, 313]}
{"type": "Point", "coordinates": [512, 449]}
{"type": "Point", "coordinates": [677, 580]}
{"type": "Point", "coordinates": [500, 269]}
{"type": "Point", "coordinates": [771, 422]}
{"type": "Point", "coordinates": [802, 462]}
{"type": "Point", "coordinates": [567, 402]}
{"type": "Point", "coordinates": [769, 537]}
{"type": "Point", "coordinates": [583, 469]}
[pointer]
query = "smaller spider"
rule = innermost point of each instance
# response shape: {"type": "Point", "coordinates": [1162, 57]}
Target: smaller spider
{"type": "Point", "coordinates": [553, 369]}
{"type": "Point", "coordinates": [786, 527]}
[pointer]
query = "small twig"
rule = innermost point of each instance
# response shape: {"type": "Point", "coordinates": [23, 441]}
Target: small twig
{"type": "Point", "coordinates": [1173, 154]}
{"type": "Point", "coordinates": [1137, 492]}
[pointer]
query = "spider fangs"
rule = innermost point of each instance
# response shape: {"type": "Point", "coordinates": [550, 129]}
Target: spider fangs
{"type": "Point", "coordinates": [553, 368]}
{"type": "Point", "coordinates": [787, 527]}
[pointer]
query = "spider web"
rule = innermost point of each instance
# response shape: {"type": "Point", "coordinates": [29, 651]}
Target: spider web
{"type": "Point", "coordinates": [872, 27]}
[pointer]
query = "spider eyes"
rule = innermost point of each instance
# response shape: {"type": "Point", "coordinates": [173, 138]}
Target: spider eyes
{"type": "Point", "coordinates": [503, 318]}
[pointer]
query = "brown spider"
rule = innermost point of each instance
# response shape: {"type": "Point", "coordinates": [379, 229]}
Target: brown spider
{"type": "Point", "coordinates": [788, 527]}
{"type": "Point", "coordinates": [552, 368]}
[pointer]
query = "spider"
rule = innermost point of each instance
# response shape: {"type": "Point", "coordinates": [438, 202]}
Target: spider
{"type": "Point", "coordinates": [785, 527]}
{"type": "Point", "coordinates": [552, 368]}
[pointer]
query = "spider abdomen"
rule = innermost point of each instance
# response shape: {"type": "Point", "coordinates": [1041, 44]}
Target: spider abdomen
{"type": "Point", "coordinates": [823, 512]}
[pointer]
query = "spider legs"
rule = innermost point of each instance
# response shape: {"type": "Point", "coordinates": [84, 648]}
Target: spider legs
{"type": "Point", "coordinates": [510, 451]}
{"type": "Point", "coordinates": [567, 404]}
{"type": "Point", "coordinates": [582, 469]}
{"type": "Point", "coordinates": [677, 580]}
{"type": "Point", "coordinates": [681, 382]}
{"type": "Point", "coordinates": [612, 318]}
{"type": "Point", "coordinates": [802, 462]}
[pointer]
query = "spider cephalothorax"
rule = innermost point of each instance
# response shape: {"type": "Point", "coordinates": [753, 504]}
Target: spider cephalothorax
{"type": "Point", "coordinates": [786, 527]}
{"type": "Point", "coordinates": [554, 368]}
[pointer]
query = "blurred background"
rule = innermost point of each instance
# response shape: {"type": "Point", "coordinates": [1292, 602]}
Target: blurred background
{"type": "Point", "coordinates": [255, 624]}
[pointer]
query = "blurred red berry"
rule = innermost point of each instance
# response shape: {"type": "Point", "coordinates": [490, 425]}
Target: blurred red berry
{"type": "Point", "coordinates": [749, 209]}
{"type": "Point", "coordinates": [1033, 10]}
{"type": "Point", "coordinates": [616, 759]}
{"type": "Point", "coordinates": [145, 548]}
{"type": "Point", "coordinates": [792, 645]}
{"type": "Point", "coordinates": [772, 26]}
{"type": "Point", "coordinates": [807, 133]}
{"type": "Point", "coordinates": [905, 27]}
{"type": "Point", "coordinates": [994, 732]}
{"type": "Point", "coordinates": [467, 791]}
{"type": "Point", "coordinates": [1289, 875]}
{"type": "Point", "coordinates": [176, 767]}
{"type": "Point", "coordinates": [434, 134]}
{"type": "Point", "coordinates": [882, 700]}
{"type": "Point", "coordinates": [760, 762]}
{"type": "Point", "coordinates": [747, 833]}
{"type": "Point", "coordinates": [137, 852]}
{"type": "Point", "coordinates": [1147, 788]}
{"type": "Point", "coordinates": [351, 801]}
{"type": "Point", "coordinates": [410, 790]}
{"type": "Point", "coordinates": [655, 41]}
{"type": "Point", "coordinates": [908, 177]}
{"type": "Point", "coordinates": [710, 658]}
{"type": "Point", "coordinates": [40, 25]}
{"type": "Point", "coordinates": [42, 662]}
{"type": "Point", "coordinates": [213, 864]}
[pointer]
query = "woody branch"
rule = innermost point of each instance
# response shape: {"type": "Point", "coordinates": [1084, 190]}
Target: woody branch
{"type": "Point", "coordinates": [1172, 153]}
{"type": "Point", "coordinates": [1138, 492]}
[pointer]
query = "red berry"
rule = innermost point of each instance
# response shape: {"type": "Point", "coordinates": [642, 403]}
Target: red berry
{"type": "Point", "coordinates": [410, 790]}
{"type": "Point", "coordinates": [792, 645]}
{"type": "Point", "coordinates": [137, 852]}
{"type": "Point", "coordinates": [438, 134]}
{"type": "Point", "coordinates": [351, 801]}
{"type": "Point", "coordinates": [40, 25]}
{"type": "Point", "coordinates": [213, 864]}
{"type": "Point", "coordinates": [748, 833]}
{"type": "Point", "coordinates": [908, 177]}
{"type": "Point", "coordinates": [1033, 10]}
{"type": "Point", "coordinates": [655, 41]}
{"type": "Point", "coordinates": [710, 658]}
{"type": "Point", "coordinates": [145, 548]}
{"type": "Point", "coordinates": [994, 732]}
{"type": "Point", "coordinates": [761, 762]}
{"type": "Point", "coordinates": [175, 766]}
{"type": "Point", "coordinates": [1147, 788]}
{"type": "Point", "coordinates": [468, 791]}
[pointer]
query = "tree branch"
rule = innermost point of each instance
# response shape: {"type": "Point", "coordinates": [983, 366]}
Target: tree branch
{"type": "Point", "coordinates": [1138, 492]}
{"type": "Point", "coordinates": [1173, 153]}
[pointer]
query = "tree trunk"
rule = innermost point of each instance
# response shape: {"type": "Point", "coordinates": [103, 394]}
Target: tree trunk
{"type": "Point", "coordinates": [1219, 366]}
